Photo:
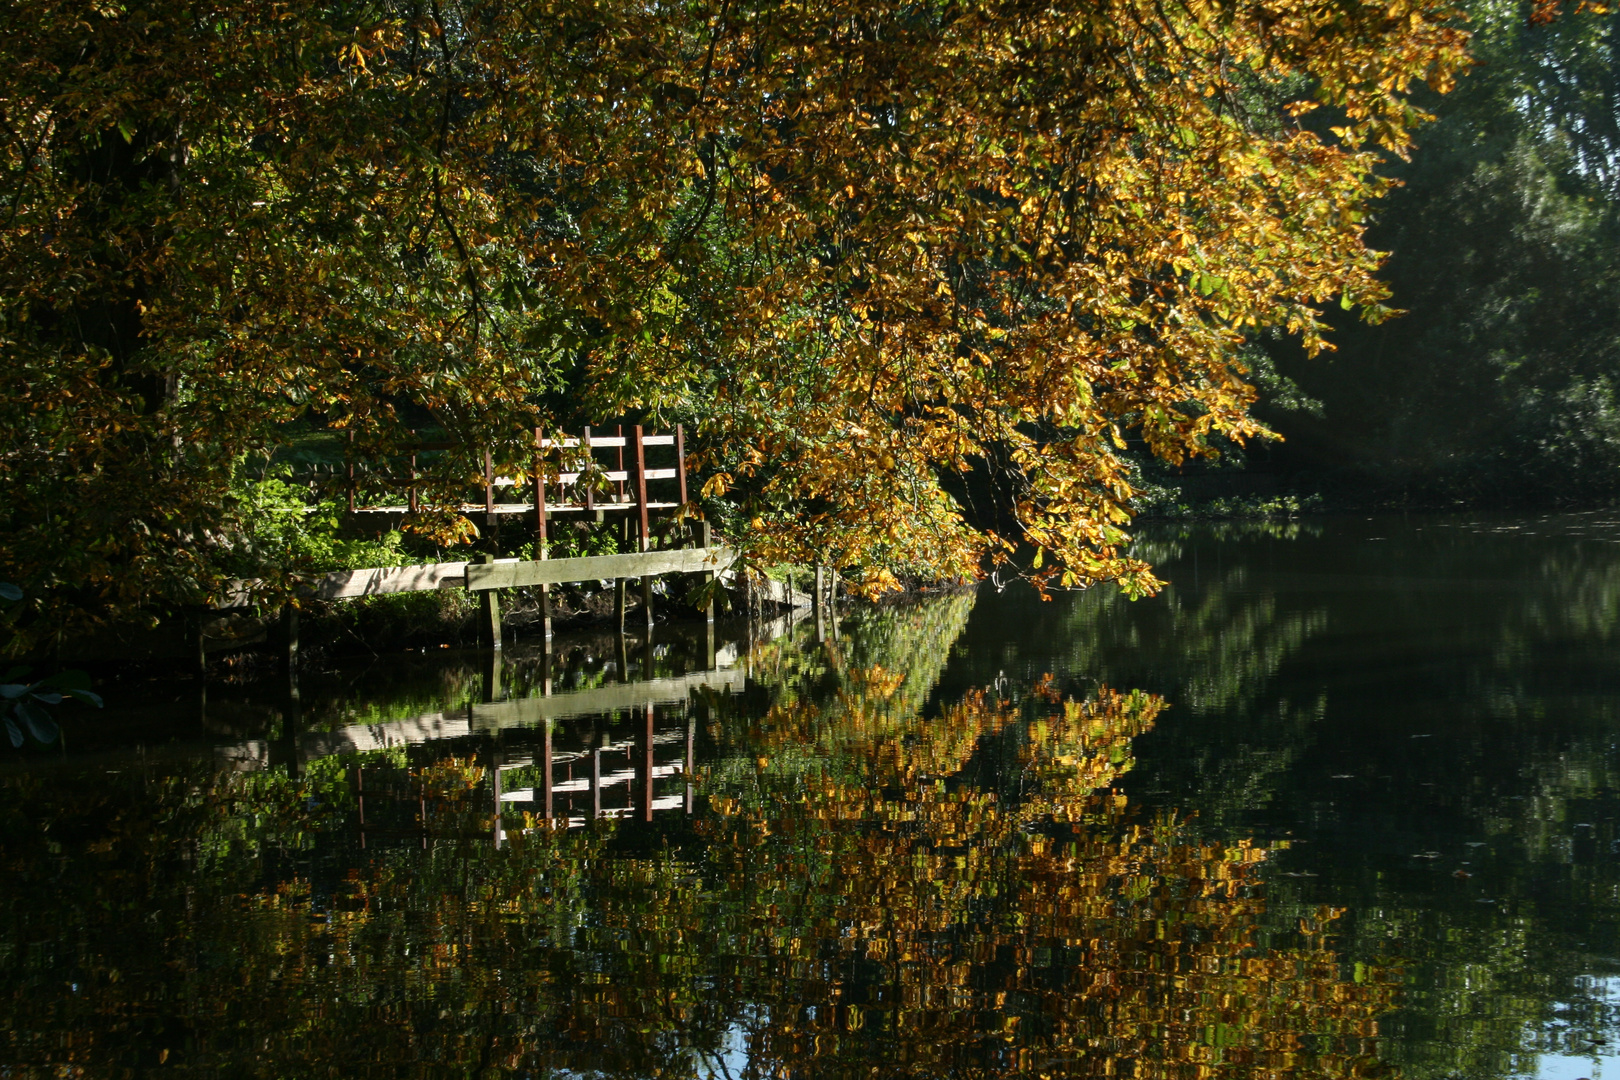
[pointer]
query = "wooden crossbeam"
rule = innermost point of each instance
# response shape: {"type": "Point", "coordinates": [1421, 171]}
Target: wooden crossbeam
{"type": "Point", "coordinates": [514, 574]}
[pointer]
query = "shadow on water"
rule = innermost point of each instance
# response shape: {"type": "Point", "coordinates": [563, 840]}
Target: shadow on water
{"type": "Point", "coordinates": [1340, 802]}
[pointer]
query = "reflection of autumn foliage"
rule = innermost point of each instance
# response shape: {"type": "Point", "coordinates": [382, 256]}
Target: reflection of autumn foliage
{"type": "Point", "coordinates": [881, 915]}
{"type": "Point", "coordinates": [993, 935]}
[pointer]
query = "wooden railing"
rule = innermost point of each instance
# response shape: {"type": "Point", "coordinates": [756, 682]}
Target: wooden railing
{"type": "Point", "coordinates": [564, 476]}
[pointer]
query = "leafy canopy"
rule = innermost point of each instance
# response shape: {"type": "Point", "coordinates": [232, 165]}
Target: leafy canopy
{"type": "Point", "coordinates": [888, 260]}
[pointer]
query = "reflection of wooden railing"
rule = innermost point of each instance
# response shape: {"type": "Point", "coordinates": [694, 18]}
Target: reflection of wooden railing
{"type": "Point", "coordinates": [596, 793]}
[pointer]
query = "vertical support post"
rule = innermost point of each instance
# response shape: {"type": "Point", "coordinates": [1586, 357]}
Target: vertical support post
{"type": "Point", "coordinates": [292, 727]}
{"type": "Point", "coordinates": [287, 641]}
{"type": "Point", "coordinates": [832, 603]}
{"type": "Point", "coordinates": [199, 637]}
{"type": "Point", "coordinates": [495, 784]}
{"type": "Point", "coordinates": [646, 533]}
{"type": "Point", "coordinates": [586, 468]}
{"type": "Point", "coordinates": [541, 540]}
{"type": "Point", "coordinates": [360, 800]}
{"type": "Point", "coordinates": [686, 764]}
{"type": "Point", "coordinates": [641, 489]}
{"type": "Point", "coordinates": [647, 766]}
{"type": "Point", "coordinates": [706, 539]}
{"type": "Point", "coordinates": [621, 585]}
{"type": "Point", "coordinates": [596, 782]}
{"type": "Point", "coordinates": [539, 494]}
{"type": "Point", "coordinates": [493, 687]}
{"type": "Point", "coordinates": [492, 530]}
{"type": "Point", "coordinates": [545, 772]}
{"type": "Point", "coordinates": [411, 495]}
{"type": "Point", "coordinates": [349, 457]}
{"type": "Point", "coordinates": [815, 599]}
{"type": "Point", "coordinates": [619, 432]}
{"type": "Point", "coordinates": [489, 613]}
{"type": "Point", "coordinates": [680, 459]}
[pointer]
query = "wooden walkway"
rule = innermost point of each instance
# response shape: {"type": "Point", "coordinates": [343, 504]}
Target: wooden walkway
{"type": "Point", "coordinates": [562, 476]}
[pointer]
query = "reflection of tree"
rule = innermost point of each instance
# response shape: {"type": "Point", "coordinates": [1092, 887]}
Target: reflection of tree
{"type": "Point", "coordinates": [878, 915]}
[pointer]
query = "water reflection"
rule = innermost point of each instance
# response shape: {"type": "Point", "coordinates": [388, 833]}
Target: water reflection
{"type": "Point", "coordinates": [1358, 817]}
{"type": "Point", "coordinates": [848, 895]}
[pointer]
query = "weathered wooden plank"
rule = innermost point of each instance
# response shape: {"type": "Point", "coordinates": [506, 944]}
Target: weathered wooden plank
{"type": "Point", "coordinates": [598, 442]}
{"type": "Point", "coordinates": [346, 584]}
{"type": "Point", "coordinates": [511, 575]}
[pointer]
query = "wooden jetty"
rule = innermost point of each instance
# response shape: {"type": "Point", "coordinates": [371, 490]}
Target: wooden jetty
{"type": "Point", "coordinates": [590, 478]}
{"type": "Point", "coordinates": [562, 477]}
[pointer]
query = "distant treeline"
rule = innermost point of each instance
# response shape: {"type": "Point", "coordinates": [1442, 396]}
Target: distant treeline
{"type": "Point", "coordinates": [1499, 384]}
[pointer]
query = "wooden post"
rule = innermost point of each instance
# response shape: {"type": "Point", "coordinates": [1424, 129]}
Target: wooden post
{"type": "Point", "coordinates": [647, 766]}
{"type": "Point", "coordinates": [199, 634]}
{"type": "Point", "coordinates": [815, 599]}
{"type": "Point", "coordinates": [360, 800]}
{"type": "Point", "coordinates": [585, 469]}
{"type": "Point", "coordinates": [493, 687]}
{"type": "Point", "coordinates": [350, 459]}
{"type": "Point", "coordinates": [411, 496]}
{"type": "Point", "coordinates": [596, 782]}
{"type": "Point", "coordinates": [495, 783]}
{"type": "Point", "coordinates": [646, 534]}
{"type": "Point", "coordinates": [489, 613]}
{"type": "Point", "coordinates": [619, 431]}
{"type": "Point", "coordinates": [680, 459]}
{"type": "Point", "coordinates": [641, 487]}
{"type": "Point", "coordinates": [545, 771]}
{"type": "Point", "coordinates": [706, 539]}
{"type": "Point", "coordinates": [292, 724]}
{"type": "Point", "coordinates": [492, 537]}
{"type": "Point", "coordinates": [539, 495]}
{"type": "Point", "coordinates": [289, 640]}
{"type": "Point", "coordinates": [686, 764]}
{"type": "Point", "coordinates": [621, 585]}
{"type": "Point", "coordinates": [832, 603]}
{"type": "Point", "coordinates": [541, 540]}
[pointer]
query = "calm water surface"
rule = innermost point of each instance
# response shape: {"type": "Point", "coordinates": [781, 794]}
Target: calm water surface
{"type": "Point", "coordinates": [1340, 802]}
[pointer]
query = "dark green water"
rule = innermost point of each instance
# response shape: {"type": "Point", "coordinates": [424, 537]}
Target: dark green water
{"type": "Point", "coordinates": [1360, 820]}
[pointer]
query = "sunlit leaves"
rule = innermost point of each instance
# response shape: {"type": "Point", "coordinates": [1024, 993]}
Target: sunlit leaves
{"type": "Point", "coordinates": [905, 270]}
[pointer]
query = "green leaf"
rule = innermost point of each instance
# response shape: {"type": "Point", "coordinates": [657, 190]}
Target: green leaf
{"type": "Point", "coordinates": [40, 724]}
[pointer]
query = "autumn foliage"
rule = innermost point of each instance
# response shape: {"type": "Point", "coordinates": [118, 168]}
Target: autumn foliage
{"type": "Point", "coordinates": [912, 273]}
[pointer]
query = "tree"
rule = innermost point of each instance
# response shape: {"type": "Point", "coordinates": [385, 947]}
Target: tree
{"type": "Point", "coordinates": [863, 249]}
{"type": "Point", "coordinates": [1500, 381]}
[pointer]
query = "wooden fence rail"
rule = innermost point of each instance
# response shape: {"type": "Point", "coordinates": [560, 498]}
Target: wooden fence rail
{"type": "Point", "coordinates": [563, 476]}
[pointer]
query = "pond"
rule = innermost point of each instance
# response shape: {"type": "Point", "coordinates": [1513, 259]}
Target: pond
{"type": "Point", "coordinates": [1340, 801]}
